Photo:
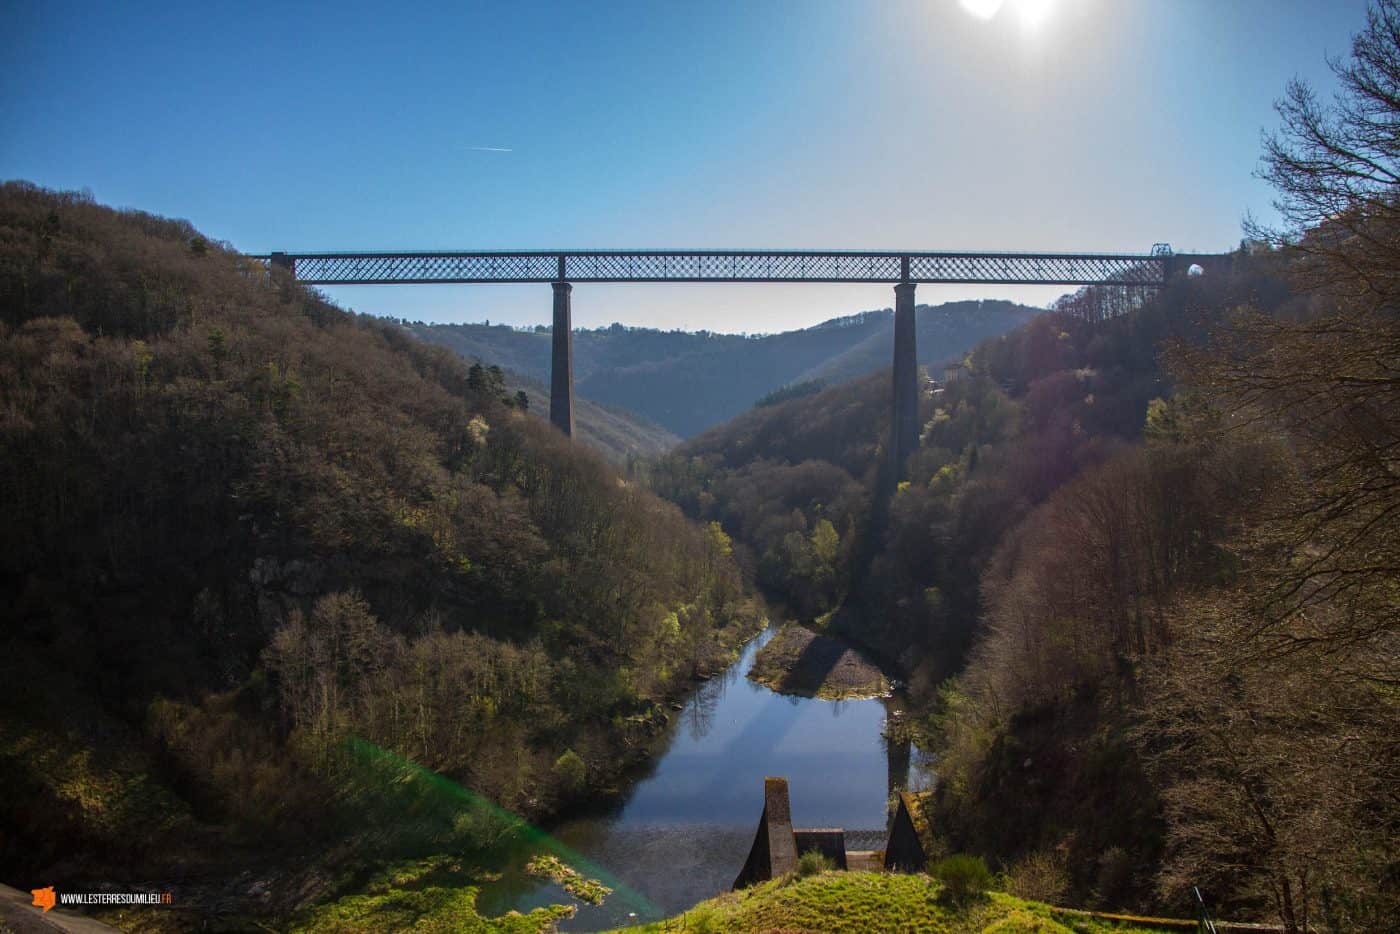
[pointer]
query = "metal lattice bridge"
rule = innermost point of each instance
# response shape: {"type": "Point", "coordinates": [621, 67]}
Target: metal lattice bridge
{"type": "Point", "coordinates": [904, 270]}
{"type": "Point", "coordinates": [1141, 269]}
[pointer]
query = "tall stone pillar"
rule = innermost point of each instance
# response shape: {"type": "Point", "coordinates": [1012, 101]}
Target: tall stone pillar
{"type": "Point", "coordinates": [561, 367]}
{"type": "Point", "coordinates": [904, 423]}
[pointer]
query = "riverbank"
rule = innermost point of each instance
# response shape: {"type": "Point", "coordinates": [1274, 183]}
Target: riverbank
{"type": "Point", "coordinates": [357, 820]}
{"type": "Point", "coordinates": [682, 831]}
{"type": "Point", "coordinates": [801, 662]}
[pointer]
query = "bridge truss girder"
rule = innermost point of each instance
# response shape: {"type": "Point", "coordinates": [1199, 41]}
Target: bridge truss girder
{"type": "Point", "coordinates": [1132, 271]}
{"type": "Point", "coordinates": [1069, 269]}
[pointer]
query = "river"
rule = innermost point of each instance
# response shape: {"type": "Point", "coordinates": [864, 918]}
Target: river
{"type": "Point", "coordinates": [681, 833]}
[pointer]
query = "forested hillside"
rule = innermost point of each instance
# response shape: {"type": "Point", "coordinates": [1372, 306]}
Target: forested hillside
{"type": "Point", "coordinates": [1156, 552]}
{"type": "Point", "coordinates": [257, 550]}
{"type": "Point", "coordinates": [1185, 664]}
{"type": "Point", "coordinates": [1033, 408]}
{"type": "Point", "coordinates": [688, 382]}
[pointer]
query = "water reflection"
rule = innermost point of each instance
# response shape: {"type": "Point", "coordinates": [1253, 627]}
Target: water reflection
{"type": "Point", "coordinates": [682, 832]}
{"type": "Point", "coordinates": [898, 750]}
{"type": "Point", "coordinates": [700, 712]}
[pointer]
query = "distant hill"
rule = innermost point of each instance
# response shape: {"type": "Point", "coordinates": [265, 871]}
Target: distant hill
{"type": "Point", "coordinates": [944, 331]}
{"type": "Point", "coordinates": [687, 382]}
{"type": "Point", "coordinates": [619, 435]}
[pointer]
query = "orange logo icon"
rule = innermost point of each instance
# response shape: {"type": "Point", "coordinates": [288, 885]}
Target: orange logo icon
{"type": "Point", "coordinates": [43, 898]}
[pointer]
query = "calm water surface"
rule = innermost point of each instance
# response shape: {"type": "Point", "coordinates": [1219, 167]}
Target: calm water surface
{"type": "Point", "coordinates": [682, 832]}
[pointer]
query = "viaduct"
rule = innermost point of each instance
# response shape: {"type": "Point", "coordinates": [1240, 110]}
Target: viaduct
{"type": "Point", "coordinates": [903, 270]}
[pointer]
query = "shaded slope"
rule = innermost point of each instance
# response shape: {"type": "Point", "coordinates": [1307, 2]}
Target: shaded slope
{"type": "Point", "coordinates": [622, 437]}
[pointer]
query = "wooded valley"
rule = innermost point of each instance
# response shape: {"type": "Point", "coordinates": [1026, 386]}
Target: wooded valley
{"type": "Point", "coordinates": [243, 525]}
{"type": "Point", "coordinates": [314, 615]}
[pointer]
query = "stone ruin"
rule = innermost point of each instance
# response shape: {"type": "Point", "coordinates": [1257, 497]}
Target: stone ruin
{"type": "Point", "coordinates": [777, 845]}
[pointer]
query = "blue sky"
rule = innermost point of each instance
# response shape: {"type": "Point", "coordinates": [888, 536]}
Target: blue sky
{"type": "Point", "coordinates": [1111, 125]}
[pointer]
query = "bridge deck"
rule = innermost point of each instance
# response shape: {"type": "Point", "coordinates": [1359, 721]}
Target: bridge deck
{"type": "Point", "coordinates": [998, 268]}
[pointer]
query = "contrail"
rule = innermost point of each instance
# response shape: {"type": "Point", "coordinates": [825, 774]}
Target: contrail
{"type": "Point", "coordinates": [489, 149]}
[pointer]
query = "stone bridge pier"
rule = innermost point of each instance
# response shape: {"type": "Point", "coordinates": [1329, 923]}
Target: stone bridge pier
{"type": "Point", "coordinates": [904, 413]}
{"type": "Point", "coordinates": [561, 363]}
{"type": "Point", "coordinates": [904, 406]}
{"type": "Point", "coordinates": [777, 845]}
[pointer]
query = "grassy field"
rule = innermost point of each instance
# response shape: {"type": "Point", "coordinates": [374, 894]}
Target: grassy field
{"type": "Point", "coordinates": [870, 903]}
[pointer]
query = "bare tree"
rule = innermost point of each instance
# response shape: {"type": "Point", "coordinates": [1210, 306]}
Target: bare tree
{"type": "Point", "coordinates": [1331, 382]}
{"type": "Point", "coordinates": [1273, 723]}
{"type": "Point", "coordinates": [1336, 168]}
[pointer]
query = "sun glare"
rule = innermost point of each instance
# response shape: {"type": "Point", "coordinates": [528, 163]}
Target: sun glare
{"type": "Point", "coordinates": [1032, 14]}
{"type": "Point", "coordinates": [982, 9]}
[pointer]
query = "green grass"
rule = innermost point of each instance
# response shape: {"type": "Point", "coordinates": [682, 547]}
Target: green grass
{"type": "Point", "coordinates": [869, 903]}
{"type": "Point", "coordinates": [430, 895]}
{"type": "Point", "coordinates": [568, 878]}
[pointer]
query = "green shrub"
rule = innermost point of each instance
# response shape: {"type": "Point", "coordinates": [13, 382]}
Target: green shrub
{"type": "Point", "coordinates": [813, 862]}
{"type": "Point", "coordinates": [571, 771]}
{"type": "Point", "coordinates": [963, 877]}
{"type": "Point", "coordinates": [1041, 876]}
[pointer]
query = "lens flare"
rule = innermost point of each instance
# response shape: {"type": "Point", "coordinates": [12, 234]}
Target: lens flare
{"type": "Point", "coordinates": [424, 797]}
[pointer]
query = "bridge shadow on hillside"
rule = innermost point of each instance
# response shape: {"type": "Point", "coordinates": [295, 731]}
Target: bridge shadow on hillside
{"type": "Point", "coordinates": [813, 665]}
